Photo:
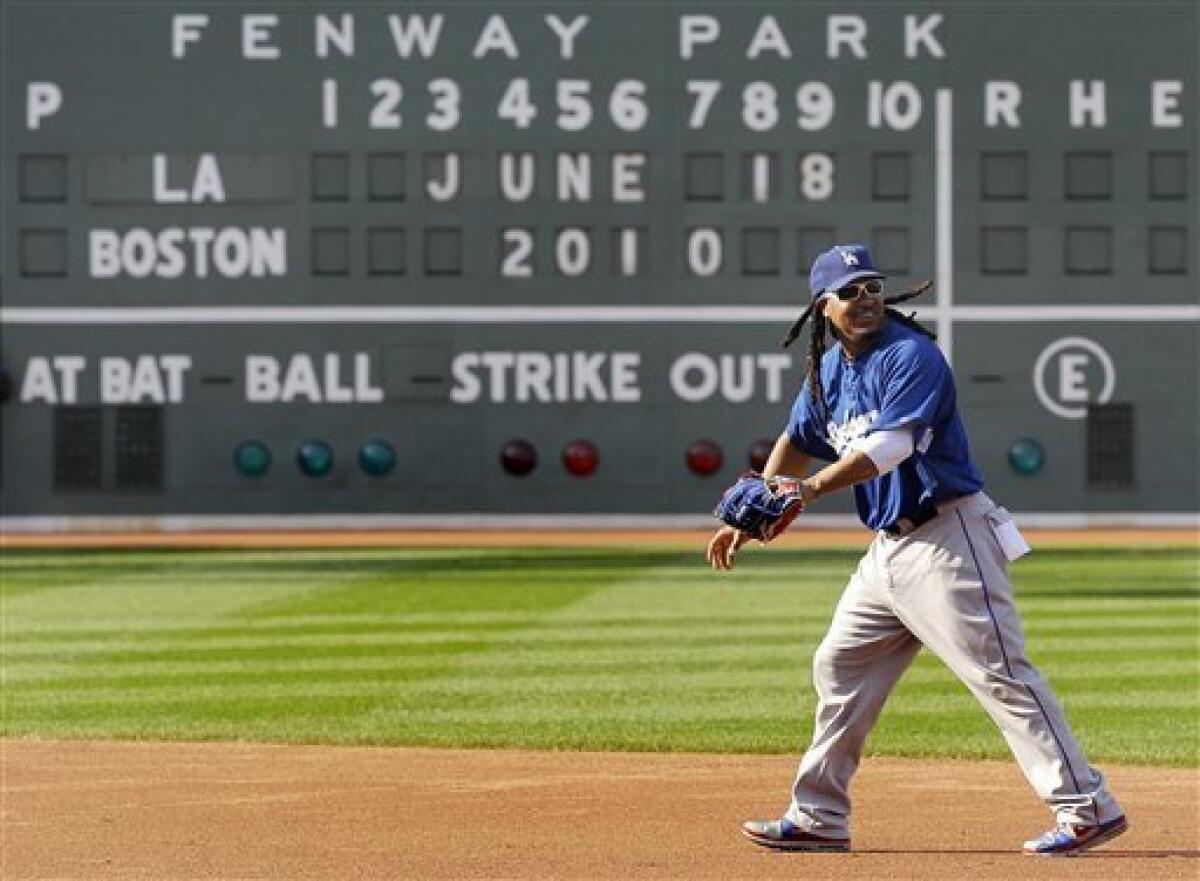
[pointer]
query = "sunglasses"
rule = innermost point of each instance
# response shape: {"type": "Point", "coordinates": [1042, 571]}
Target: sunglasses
{"type": "Point", "coordinates": [872, 287]}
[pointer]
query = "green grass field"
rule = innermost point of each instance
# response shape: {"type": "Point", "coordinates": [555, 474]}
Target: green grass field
{"type": "Point", "coordinates": [581, 649]}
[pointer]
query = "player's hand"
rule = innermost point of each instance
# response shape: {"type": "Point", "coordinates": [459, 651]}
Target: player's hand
{"type": "Point", "coordinates": [723, 547]}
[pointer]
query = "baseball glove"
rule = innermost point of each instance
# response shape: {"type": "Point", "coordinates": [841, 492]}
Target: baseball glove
{"type": "Point", "coordinates": [761, 508]}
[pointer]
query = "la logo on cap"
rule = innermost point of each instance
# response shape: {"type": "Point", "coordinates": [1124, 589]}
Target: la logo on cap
{"type": "Point", "coordinates": [849, 258]}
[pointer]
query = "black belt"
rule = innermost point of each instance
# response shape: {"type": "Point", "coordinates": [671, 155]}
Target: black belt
{"type": "Point", "coordinates": [907, 525]}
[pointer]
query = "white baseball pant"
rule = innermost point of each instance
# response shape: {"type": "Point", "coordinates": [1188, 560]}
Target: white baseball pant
{"type": "Point", "coordinates": [944, 586]}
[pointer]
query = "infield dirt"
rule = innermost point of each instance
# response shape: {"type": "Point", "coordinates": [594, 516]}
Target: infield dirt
{"type": "Point", "coordinates": [101, 810]}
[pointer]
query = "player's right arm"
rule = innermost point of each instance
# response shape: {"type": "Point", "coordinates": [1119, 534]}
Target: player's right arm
{"type": "Point", "coordinates": [786, 459]}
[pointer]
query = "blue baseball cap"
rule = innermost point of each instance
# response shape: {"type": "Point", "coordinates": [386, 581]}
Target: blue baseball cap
{"type": "Point", "coordinates": [840, 265]}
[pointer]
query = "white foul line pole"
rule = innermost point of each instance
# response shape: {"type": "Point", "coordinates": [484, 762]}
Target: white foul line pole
{"type": "Point", "coordinates": [943, 190]}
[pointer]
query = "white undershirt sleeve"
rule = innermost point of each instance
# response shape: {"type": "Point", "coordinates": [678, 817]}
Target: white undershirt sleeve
{"type": "Point", "coordinates": [886, 449]}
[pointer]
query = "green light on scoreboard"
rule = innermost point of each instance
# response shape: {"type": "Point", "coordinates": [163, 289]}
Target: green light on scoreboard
{"type": "Point", "coordinates": [315, 458]}
{"type": "Point", "coordinates": [252, 458]}
{"type": "Point", "coordinates": [1026, 457]}
{"type": "Point", "coordinates": [377, 458]}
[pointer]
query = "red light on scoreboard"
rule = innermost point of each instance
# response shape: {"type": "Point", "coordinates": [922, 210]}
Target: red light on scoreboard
{"type": "Point", "coordinates": [518, 457]}
{"type": "Point", "coordinates": [759, 453]}
{"type": "Point", "coordinates": [580, 457]}
{"type": "Point", "coordinates": [704, 457]}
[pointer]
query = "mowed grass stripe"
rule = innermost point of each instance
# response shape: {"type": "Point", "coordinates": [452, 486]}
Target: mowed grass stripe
{"type": "Point", "coordinates": [170, 595]}
{"type": "Point", "coordinates": [596, 701]}
{"type": "Point", "coordinates": [964, 735]}
{"type": "Point", "coordinates": [1148, 642]}
{"type": "Point", "coordinates": [524, 647]}
{"type": "Point", "coordinates": [538, 688]}
{"type": "Point", "coordinates": [335, 625]}
{"type": "Point", "coordinates": [794, 643]}
{"type": "Point", "coordinates": [1184, 618]}
{"type": "Point", "coordinates": [1134, 605]}
{"type": "Point", "coordinates": [565, 639]}
{"type": "Point", "coordinates": [1179, 673]}
{"type": "Point", "coordinates": [477, 665]}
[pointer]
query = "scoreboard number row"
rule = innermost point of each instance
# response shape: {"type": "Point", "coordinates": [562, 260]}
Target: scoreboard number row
{"type": "Point", "coordinates": [626, 102]}
{"type": "Point", "coordinates": [573, 251]}
{"type": "Point", "coordinates": [897, 105]}
{"type": "Point", "coordinates": [814, 104]}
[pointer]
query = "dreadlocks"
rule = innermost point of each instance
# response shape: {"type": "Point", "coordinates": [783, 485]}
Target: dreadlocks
{"type": "Point", "coordinates": [909, 320]}
{"type": "Point", "coordinates": [816, 352]}
{"type": "Point", "coordinates": [818, 342]}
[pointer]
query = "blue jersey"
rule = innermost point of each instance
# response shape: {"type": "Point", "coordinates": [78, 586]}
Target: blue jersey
{"type": "Point", "coordinates": [901, 381]}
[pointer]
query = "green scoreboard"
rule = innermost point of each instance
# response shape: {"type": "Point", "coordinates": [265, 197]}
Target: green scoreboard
{"type": "Point", "coordinates": [431, 260]}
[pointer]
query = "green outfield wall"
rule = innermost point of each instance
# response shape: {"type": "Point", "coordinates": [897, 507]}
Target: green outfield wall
{"type": "Point", "coordinates": [342, 258]}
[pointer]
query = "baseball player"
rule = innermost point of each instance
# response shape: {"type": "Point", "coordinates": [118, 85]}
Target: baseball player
{"type": "Point", "coordinates": [879, 405]}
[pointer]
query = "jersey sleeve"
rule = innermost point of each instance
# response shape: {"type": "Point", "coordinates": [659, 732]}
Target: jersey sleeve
{"type": "Point", "coordinates": [805, 429]}
{"type": "Point", "coordinates": [918, 388]}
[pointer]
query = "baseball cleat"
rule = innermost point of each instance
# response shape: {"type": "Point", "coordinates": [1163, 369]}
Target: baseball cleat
{"type": "Point", "coordinates": [1067, 840]}
{"type": "Point", "coordinates": [786, 835]}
